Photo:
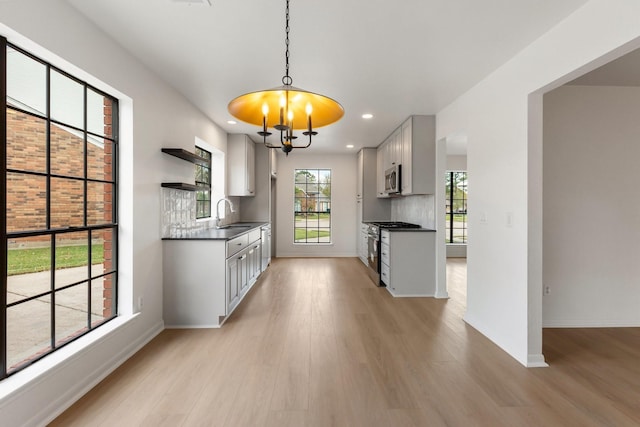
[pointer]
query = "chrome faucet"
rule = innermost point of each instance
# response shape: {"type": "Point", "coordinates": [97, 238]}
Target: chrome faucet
{"type": "Point", "coordinates": [224, 199]}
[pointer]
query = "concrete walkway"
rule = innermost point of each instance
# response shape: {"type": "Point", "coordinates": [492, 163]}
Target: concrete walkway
{"type": "Point", "coordinates": [29, 324]}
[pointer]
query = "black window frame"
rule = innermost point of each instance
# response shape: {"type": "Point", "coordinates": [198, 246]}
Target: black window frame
{"type": "Point", "coordinates": [49, 231]}
{"type": "Point", "coordinates": [305, 212]}
{"type": "Point", "coordinates": [203, 194]}
{"type": "Point", "coordinates": [451, 213]}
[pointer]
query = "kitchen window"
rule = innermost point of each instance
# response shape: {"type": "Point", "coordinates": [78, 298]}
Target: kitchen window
{"type": "Point", "coordinates": [203, 181]}
{"type": "Point", "coordinates": [312, 206]}
{"type": "Point", "coordinates": [59, 227]}
{"type": "Point", "coordinates": [456, 210]}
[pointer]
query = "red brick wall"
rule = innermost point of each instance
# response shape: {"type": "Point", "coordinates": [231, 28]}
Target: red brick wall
{"type": "Point", "coordinates": [26, 194]}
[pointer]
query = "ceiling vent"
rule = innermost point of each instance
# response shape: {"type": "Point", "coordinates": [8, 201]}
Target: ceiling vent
{"type": "Point", "coordinates": [190, 2]}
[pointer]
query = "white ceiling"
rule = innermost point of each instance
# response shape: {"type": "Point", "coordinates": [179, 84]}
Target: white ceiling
{"type": "Point", "coordinates": [391, 59]}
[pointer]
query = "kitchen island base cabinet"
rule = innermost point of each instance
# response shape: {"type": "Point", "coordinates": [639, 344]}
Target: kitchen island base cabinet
{"type": "Point", "coordinates": [194, 283]}
{"type": "Point", "coordinates": [408, 267]}
{"type": "Point", "coordinates": [205, 280]}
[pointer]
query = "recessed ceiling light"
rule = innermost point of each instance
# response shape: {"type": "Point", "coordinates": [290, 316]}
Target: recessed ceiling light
{"type": "Point", "coordinates": [367, 116]}
{"type": "Point", "coordinates": [350, 146]}
{"type": "Point", "coordinates": [232, 122]}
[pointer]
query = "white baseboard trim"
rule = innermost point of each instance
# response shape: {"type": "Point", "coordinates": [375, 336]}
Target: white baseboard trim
{"type": "Point", "coordinates": [536, 361]}
{"type": "Point", "coordinates": [72, 395]}
{"type": "Point", "coordinates": [410, 295]}
{"type": "Point", "coordinates": [584, 323]}
{"type": "Point", "coordinates": [318, 255]}
{"type": "Point", "coordinates": [442, 295]}
{"type": "Point", "coordinates": [212, 326]}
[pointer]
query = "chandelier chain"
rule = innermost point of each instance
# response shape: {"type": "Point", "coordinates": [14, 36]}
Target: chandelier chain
{"type": "Point", "coordinates": [287, 80]}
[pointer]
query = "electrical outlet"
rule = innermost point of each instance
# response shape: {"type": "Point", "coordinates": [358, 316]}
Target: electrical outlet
{"type": "Point", "coordinates": [547, 290]}
{"type": "Point", "coordinates": [140, 303]}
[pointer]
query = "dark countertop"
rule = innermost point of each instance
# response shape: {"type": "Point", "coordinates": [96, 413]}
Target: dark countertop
{"type": "Point", "coordinates": [407, 229]}
{"type": "Point", "coordinates": [234, 230]}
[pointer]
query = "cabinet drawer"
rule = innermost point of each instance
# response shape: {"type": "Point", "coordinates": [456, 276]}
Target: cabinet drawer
{"type": "Point", "coordinates": [384, 236]}
{"type": "Point", "coordinates": [384, 253]}
{"type": "Point", "coordinates": [254, 235]}
{"type": "Point", "coordinates": [385, 275]}
{"type": "Point", "coordinates": [237, 244]}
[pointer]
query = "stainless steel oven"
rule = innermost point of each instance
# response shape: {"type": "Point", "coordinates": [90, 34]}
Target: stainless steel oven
{"type": "Point", "coordinates": [373, 243]}
{"type": "Point", "coordinates": [373, 248]}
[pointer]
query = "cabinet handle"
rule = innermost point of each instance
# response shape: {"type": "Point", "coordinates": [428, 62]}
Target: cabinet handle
{"type": "Point", "coordinates": [242, 257]}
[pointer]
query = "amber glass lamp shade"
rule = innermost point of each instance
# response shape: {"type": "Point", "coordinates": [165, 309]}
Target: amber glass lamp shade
{"type": "Point", "coordinates": [282, 103]}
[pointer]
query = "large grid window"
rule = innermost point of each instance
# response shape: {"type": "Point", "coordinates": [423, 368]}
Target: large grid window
{"type": "Point", "coordinates": [456, 200]}
{"type": "Point", "coordinates": [203, 180]}
{"type": "Point", "coordinates": [59, 215]}
{"type": "Point", "coordinates": [312, 206]}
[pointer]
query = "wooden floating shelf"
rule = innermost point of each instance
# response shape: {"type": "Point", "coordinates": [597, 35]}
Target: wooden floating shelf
{"type": "Point", "coordinates": [186, 155]}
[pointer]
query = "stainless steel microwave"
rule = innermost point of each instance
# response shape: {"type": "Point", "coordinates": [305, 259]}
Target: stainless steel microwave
{"type": "Point", "coordinates": [392, 180]}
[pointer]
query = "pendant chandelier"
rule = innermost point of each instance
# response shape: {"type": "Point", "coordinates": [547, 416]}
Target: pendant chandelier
{"type": "Point", "coordinates": [286, 108]}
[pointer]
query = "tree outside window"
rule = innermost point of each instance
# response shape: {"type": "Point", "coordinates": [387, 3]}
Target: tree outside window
{"type": "Point", "coordinates": [456, 210]}
{"type": "Point", "coordinates": [312, 206]}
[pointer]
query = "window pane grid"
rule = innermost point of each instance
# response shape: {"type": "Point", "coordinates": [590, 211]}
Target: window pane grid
{"type": "Point", "coordinates": [59, 283]}
{"type": "Point", "coordinates": [312, 206]}
{"type": "Point", "coordinates": [456, 207]}
{"type": "Point", "coordinates": [203, 179]}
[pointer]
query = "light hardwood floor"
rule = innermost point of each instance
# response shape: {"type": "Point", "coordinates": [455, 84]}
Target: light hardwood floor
{"type": "Point", "coordinates": [316, 344]}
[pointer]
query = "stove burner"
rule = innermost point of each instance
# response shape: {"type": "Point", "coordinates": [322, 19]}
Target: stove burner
{"type": "Point", "coordinates": [395, 224]}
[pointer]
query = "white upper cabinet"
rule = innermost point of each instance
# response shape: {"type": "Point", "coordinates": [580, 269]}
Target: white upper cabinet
{"type": "Point", "coordinates": [413, 146]}
{"type": "Point", "coordinates": [418, 155]}
{"type": "Point", "coordinates": [241, 160]}
{"type": "Point", "coordinates": [380, 168]}
{"type": "Point", "coordinates": [360, 178]}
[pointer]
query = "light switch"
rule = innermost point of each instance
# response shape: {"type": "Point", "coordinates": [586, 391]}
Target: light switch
{"type": "Point", "coordinates": [509, 219]}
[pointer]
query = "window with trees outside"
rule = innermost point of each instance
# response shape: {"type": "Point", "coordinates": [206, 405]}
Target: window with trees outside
{"type": "Point", "coordinates": [456, 200]}
{"type": "Point", "coordinates": [203, 181]}
{"type": "Point", "coordinates": [312, 206]}
{"type": "Point", "coordinates": [59, 223]}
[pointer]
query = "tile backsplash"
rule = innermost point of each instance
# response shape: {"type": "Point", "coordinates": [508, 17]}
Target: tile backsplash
{"type": "Point", "coordinates": [179, 213]}
{"type": "Point", "coordinates": [415, 209]}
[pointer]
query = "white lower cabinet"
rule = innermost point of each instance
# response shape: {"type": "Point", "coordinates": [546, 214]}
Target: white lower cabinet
{"type": "Point", "coordinates": [205, 280]}
{"type": "Point", "coordinates": [234, 277]}
{"type": "Point", "coordinates": [363, 243]}
{"type": "Point", "coordinates": [243, 269]}
{"type": "Point", "coordinates": [407, 263]}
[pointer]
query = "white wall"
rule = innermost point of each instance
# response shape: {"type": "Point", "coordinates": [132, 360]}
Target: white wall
{"type": "Point", "coordinates": [591, 237]}
{"type": "Point", "coordinates": [343, 204]}
{"type": "Point", "coordinates": [502, 118]}
{"type": "Point", "coordinates": [161, 118]}
{"type": "Point", "coordinates": [456, 163]}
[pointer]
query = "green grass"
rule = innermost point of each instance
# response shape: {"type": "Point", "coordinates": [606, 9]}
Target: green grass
{"type": "Point", "coordinates": [303, 234]}
{"type": "Point", "coordinates": [457, 217]}
{"type": "Point", "coordinates": [21, 261]}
